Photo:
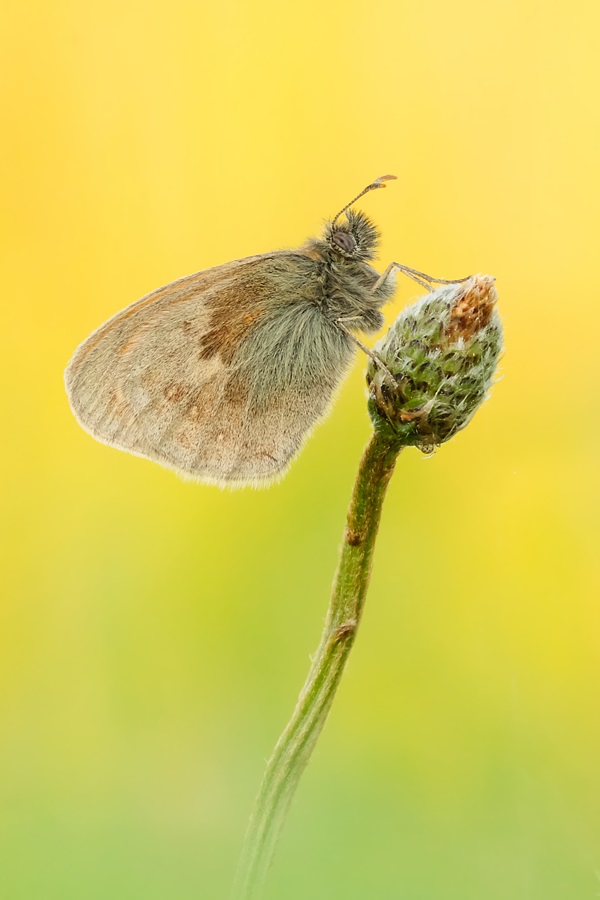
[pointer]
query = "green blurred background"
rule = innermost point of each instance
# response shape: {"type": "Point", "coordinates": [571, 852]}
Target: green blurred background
{"type": "Point", "coordinates": [154, 634]}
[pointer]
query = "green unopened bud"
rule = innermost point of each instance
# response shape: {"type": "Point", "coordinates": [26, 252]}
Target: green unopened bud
{"type": "Point", "coordinates": [442, 353]}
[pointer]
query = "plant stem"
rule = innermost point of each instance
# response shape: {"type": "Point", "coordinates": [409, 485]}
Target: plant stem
{"type": "Point", "coordinates": [298, 740]}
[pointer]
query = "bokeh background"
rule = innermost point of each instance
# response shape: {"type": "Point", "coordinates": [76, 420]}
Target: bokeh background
{"type": "Point", "coordinates": [154, 634]}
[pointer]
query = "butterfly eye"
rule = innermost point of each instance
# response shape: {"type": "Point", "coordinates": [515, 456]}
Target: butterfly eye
{"type": "Point", "coordinates": [344, 240]}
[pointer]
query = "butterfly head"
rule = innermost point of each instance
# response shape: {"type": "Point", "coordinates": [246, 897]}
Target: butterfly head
{"type": "Point", "coordinates": [356, 237]}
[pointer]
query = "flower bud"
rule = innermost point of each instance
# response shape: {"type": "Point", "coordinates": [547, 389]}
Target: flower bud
{"type": "Point", "coordinates": [442, 353]}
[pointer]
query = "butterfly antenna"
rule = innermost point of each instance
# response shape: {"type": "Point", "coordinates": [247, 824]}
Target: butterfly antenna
{"type": "Point", "coordinates": [378, 183]}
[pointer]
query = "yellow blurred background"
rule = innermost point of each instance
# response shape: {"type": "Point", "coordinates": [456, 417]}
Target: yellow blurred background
{"type": "Point", "coordinates": [154, 634]}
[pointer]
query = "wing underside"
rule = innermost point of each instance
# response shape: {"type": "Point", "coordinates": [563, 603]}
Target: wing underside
{"type": "Point", "coordinates": [160, 379]}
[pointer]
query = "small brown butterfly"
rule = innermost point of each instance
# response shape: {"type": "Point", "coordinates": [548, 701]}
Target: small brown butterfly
{"type": "Point", "coordinates": [222, 375]}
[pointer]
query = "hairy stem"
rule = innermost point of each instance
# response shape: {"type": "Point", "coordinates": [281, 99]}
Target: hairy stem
{"type": "Point", "coordinates": [298, 740]}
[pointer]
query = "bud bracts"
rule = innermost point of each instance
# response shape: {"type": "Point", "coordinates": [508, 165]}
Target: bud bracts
{"type": "Point", "coordinates": [442, 352]}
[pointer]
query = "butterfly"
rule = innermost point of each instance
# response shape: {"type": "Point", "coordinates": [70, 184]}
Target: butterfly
{"type": "Point", "coordinates": [223, 374]}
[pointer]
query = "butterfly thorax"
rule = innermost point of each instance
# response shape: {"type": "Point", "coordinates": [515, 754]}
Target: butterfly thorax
{"type": "Point", "coordinates": [343, 254]}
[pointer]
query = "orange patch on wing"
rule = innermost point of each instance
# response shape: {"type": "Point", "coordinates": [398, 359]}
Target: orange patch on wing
{"type": "Point", "coordinates": [230, 321]}
{"type": "Point", "coordinates": [180, 291]}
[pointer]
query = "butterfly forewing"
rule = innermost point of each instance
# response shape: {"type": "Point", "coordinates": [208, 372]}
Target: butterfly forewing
{"type": "Point", "coordinates": [160, 378]}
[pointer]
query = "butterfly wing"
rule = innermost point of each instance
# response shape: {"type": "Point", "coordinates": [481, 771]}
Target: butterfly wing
{"type": "Point", "coordinates": [167, 378]}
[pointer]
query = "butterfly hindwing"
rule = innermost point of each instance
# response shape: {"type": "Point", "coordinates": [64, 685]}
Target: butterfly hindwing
{"type": "Point", "coordinates": [166, 377]}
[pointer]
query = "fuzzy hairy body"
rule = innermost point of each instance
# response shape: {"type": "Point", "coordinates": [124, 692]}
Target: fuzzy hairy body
{"type": "Point", "coordinates": [223, 374]}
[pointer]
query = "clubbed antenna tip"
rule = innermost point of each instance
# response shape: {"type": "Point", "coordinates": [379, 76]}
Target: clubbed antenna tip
{"type": "Point", "coordinates": [378, 183]}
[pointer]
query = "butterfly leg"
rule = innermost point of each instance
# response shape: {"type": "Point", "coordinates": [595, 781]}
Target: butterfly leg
{"type": "Point", "coordinates": [421, 278]}
{"type": "Point", "coordinates": [370, 353]}
{"type": "Point", "coordinates": [381, 389]}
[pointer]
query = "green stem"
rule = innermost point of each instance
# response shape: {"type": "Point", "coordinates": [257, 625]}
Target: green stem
{"type": "Point", "coordinates": [297, 742]}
